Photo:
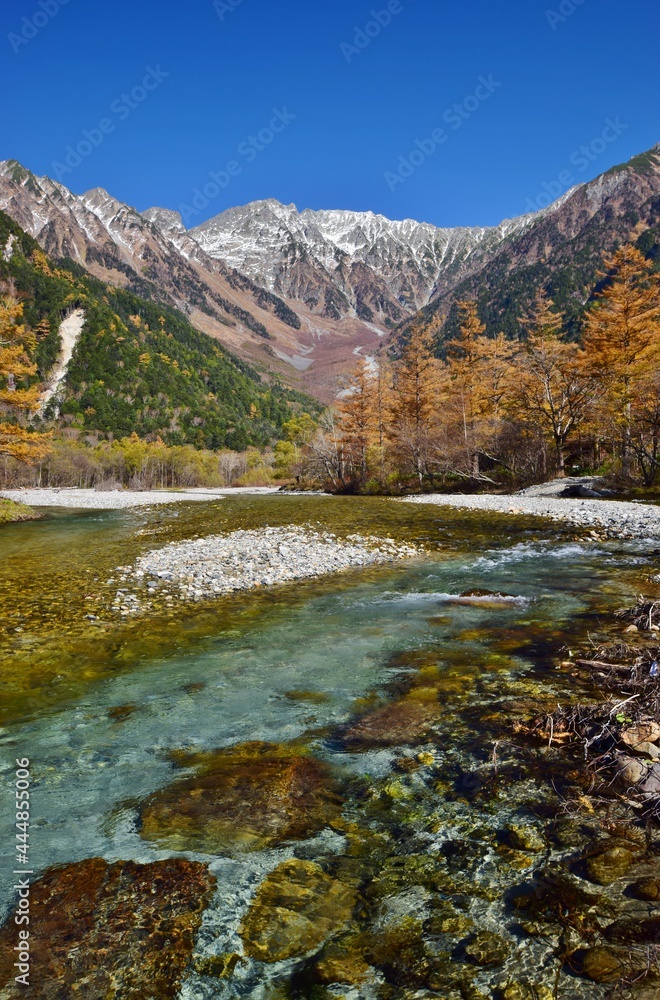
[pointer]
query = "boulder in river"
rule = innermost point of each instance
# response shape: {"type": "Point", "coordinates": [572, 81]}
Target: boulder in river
{"type": "Point", "coordinates": [403, 722]}
{"type": "Point", "coordinates": [296, 909]}
{"type": "Point", "coordinates": [647, 889]}
{"type": "Point", "coordinates": [610, 864]}
{"type": "Point", "coordinates": [246, 798]}
{"type": "Point", "coordinates": [109, 930]}
{"type": "Point", "coordinates": [487, 949]}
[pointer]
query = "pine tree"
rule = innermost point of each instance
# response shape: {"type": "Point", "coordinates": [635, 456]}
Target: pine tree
{"type": "Point", "coordinates": [622, 337]}
{"type": "Point", "coordinates": [16, 401]}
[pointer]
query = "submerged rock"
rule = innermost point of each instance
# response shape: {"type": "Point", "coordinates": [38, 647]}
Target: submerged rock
{"type": "Point", "coordinates": [609, 865]}
{"type": "Point", "coordinates": [646, 889]}
{"type": "Point", "coordinates": [296, 908]}
{"type": "Point", "coordinates": [110, 930]}
{"type": "Point", "coordinates": [602, 965]}
{"type": "Point", "coordinates": [249, 797]}
{"type": "Point", "coordinates": [527, 991]}
{"type": "Point", "coordinates": [403, 722]}
{"type": "Point", "coordinates": [487, 949]}
{"type": "Point", "coordinates": [523, 837]}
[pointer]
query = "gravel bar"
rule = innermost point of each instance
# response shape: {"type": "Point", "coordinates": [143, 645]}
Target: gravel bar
{"type": "Point", "coordinates": [222, 564]}
{"type": "Point", "coordinates": [604, 518]}
{"type": "Point", "coordinates": [121, 499]}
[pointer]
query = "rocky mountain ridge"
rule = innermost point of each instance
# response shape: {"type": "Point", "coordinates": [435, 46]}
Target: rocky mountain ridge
{"type": "Point", "coordinates": [301, 294]}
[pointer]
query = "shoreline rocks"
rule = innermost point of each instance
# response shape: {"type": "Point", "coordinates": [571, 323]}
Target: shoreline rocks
{"type": "Point", "coordinates": [605, 519]}
{"type": "Point", "coordinates": [91, 499]}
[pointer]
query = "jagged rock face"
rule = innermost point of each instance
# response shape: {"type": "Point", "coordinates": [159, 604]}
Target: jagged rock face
{"type": "Point", "coordinates": [338, 261]}
{"type": "Point", "coordinates": [561, 252]}
{"type": "Point", "coordinates": [303, 293]}
{"type": "Point", "coordinates": [151, 255]}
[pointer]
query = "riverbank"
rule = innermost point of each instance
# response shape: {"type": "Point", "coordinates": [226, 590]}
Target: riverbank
{"type": "Point", "coordinates": [75, 499]}
{"type": "Point", "coordinates": [609, 519]}
{"type": "Point", "coordinates": [11, 512]}
{"type": "Point", "coordinates": [243, 560]}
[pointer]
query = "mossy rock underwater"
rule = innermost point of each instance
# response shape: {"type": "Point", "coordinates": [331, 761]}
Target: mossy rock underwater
{"type": "Point", "coordinates": [247, 798]}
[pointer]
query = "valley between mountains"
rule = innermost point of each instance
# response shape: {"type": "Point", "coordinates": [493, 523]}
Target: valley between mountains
{"type": "Point", "coordinates": [300, 294]}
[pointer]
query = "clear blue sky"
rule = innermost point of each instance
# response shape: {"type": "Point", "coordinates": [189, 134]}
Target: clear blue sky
{"type": "Point", "coordinates": [357, 110]}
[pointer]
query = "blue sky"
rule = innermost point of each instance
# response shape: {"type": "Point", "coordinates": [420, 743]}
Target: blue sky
{"type": "Point", "coordinates": [456, 114]}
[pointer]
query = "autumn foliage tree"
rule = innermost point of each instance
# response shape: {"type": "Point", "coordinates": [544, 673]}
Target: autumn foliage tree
{"type": "Point", "coordinates": [622, 339]}
{"type": "Point", "coordinates": [17, 399]}
{"type": "Point", "coordinates": [547, 381]}
{"type": "Point", "coordinates": [415, 398]}
{"type": "Point", "coordinates": [514, 409]}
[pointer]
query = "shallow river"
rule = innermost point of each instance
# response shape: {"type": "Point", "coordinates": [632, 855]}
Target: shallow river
{"type": "Point", "coordinates": [103, 709]}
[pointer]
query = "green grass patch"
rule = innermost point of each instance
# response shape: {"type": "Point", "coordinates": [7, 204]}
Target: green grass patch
{"type": "Point", "coordinates": [11, 511]}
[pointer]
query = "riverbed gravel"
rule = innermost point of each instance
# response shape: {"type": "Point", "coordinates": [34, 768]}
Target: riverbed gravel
{"type": "Point", "coordinates": [121, 499]}
{"type": "Point", "coordinates": [607, 519]}
{"type": "Point", "coordinates": [242, 560]}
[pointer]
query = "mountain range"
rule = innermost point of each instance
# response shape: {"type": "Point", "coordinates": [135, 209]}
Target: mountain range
{"type": "Point", "coordinates": [300, 294]}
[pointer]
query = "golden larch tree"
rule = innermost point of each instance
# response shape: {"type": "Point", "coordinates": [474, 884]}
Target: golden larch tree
{"type": "Point", "coordinates": [547, 384]}
{"type": "Point", "coordinates": [415, 403]}
{"type": "Point", "coordinates": [17, 400]}
{"type": "Point", "coordinates": [622, 337]}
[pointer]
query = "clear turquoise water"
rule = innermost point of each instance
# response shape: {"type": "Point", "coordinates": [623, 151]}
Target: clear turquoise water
{"type": "Point", "coordinates": [341, 639]}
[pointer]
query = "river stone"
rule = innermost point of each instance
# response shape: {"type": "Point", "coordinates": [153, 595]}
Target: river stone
{"type": "Point", "coordinates": [610, 865]}
{"type": "Point", "coordinates": [526, 838]}
{"type": "Point", "coordinates": [342, 961]}
{"type": "Point", "coordinates": [602, 965]}
{"type": "Point", "coordinates": [247, 798]}
{"type": "Point", "coordinates": [527, 991]}
{"type": "Point", "coordinates": [647, 889]}
{"type": "Point", "coordinates": [487, 949]}
{"type": "Point", "coordinates": [632, 930]}
{"type": "Point", "coordinates": [648, 750]}
{"type": "Point", "coordinates": [631, 771]}
{"type": "Point", "coordinates": [643, 732]}
{"type": "Point", "coordinates": [296, 908]}
{"type": "Point", "coordinates": [403, 722]}
{"type": "Point", "coordinates": [121, 930]}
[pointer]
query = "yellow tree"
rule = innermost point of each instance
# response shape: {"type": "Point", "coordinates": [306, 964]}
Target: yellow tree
{"type": "Point", "coordinates": [465, 357]}
{"type": "Point", "coordinates": [547, 384]}
{"type": "Point", "coordinates": [415, 402]}
{"type": "Point", "coordinates": [16, 399]}
{"type": "Point", "coordinates": [622, 337]}
{"type": "Point", "coordinates": [358, 416]}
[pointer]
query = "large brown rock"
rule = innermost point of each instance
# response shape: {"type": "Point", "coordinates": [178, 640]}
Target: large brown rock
{"type": "Point", "coordinates": [249, 797]}
{"type": "Point", "coordinates": [101, 931]}
{"type": "Point", "coordinates": [403, 722]}
{"type": "Point", "coordinates": [296, 909]}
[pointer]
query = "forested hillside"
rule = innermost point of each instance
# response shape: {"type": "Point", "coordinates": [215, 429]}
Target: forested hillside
{"type": "Point", "coordinates": [139, 365]}
{"type": "Point", "coordinates": [561, 254]}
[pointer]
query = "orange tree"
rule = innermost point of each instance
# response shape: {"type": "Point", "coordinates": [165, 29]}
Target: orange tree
{"type": "Point", "coordinates": [622, 339]}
